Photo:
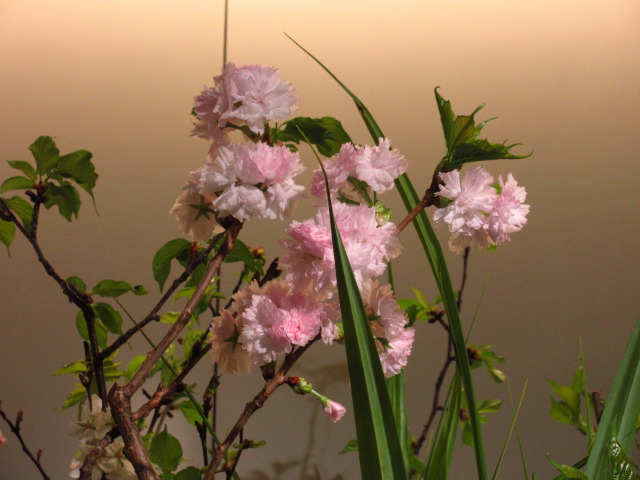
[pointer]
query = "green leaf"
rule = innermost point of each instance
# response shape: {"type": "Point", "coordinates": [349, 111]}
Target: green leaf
{"type": "Point", "coordinates": [396, 385]}
{"type": "Point", "coordinates": [569, 473]}
{"type": "Point", "coordinates": [620, 413]}
{"type": "Point", "coordinates": [75, 396]}
{"type": "Point", "coordinates": [66, 198]}
{"type": "Point", "coordinates": [241, 253]}
{"type": "Point", "coordinates": [78, 166]}
{"type": "Point", "coordinates": [23, 209]}
{"type": "Point", "coordinates": [79, 366]}
{"type": "Point", "coordinates": [190, 412]}
{"type": "Point", "coordinates": [7, 232]}
{"type": "Point", "coordinates": [379, 447]}
{"type": "Point", "coordinates": [569, 396]}
{"type": "Point", "coordinates": [78, 282]}
{"type": "Point", "coordinates": [115, 288]}
{"type": "Point", "coordinates": [561, 412]}
{"type": "Point", "coordinates": [161, 264]}
{"type": "Point", "coordinates": [326, 133]}
{"type": "Point", "coordinates": [441, 454]}
{"type": "Point", "coordinates": [24, 167]}
{"type": "Point", "coordinates": [620, 465]}
{"type": "Point", "coordinates": [189, 473]}
{"type": "Point", "coordinates": [111, 319]}
{"type": "Point", "coordinates": [101, 332]}
{"type": "Point", "coordinates": [45, 153]}
{"type": "Point", "coordinates": [461, 132]}
{"type": "Point", "coordinates": [434, 254]}
{"type": "Point", "coordinates": [16, 183]}
{"type": "Point", "coordinates": [133, 366]}
{"type": "Point", "coordinates": [166, 451]}
{"type": "Point", "coordinates": [351, 446]}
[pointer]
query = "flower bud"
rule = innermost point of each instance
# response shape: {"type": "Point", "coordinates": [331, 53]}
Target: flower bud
{"type": "Point", "coordinates": [299, 385]}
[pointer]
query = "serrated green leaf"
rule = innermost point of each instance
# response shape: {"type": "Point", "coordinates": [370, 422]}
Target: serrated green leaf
{"type": "Point", "coordinates": [481, 150]}
{"type": "Point", "coordinates": [326, 133]}
{"type": "Point", "coordinates": [568, 395]}
{"type": "Point", "coordinates": [24, 167]}
{"type": "Point", "coordinates": [7, 232]}
{"type": "Point", "coordinates": [161, 264]}
{"type": "Point", "coordinates": [78, 282]}
{"type": "Point", "coordinates": [79, 366]}
{"type": "Point", "coordinates": [166, 451]}
{"type": "Point", "coordinates": [78, 166]}
{"type": "Point", "coordinates": [45, 153]}
{"type": "Point", "coordinates": [23, 209]}
{"type": "Point", "coordinates": [110, 318]}
{"type": "Point", "coordinates": [66, 198]}
{"type": "Point", "coordinates": [16, 183]}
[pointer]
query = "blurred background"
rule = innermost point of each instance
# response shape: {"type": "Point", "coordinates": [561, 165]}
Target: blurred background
{"type": "Point", "coordinates": [117, 78]}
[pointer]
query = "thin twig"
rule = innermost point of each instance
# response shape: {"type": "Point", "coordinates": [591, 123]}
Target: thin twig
{"type": "Point", "coordinates": [15, 429]}
{"type": "Point", "coordinates": [86, 469]}
{"type": "Point", "coordinates": [463, 282]}
{"type": "Point", "coordinates": [257, 403]}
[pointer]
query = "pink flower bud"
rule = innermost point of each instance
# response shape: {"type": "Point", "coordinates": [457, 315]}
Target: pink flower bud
{"type": "Point", "coordinates": [3, 439]}
{"type": "Point", "coordinates": [334, 410]}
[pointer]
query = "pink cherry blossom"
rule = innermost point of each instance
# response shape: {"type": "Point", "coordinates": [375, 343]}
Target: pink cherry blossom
{"type": "Point", "coordinates": [339, 168]}
{"type": "Point", "coordinates": [379, 166]}
{"type": "Point", "coordinates": [473, 198]}
{"type": "Point", "coordinates": [309, 251]}
{"type": "Point", "coordinates": [334, 410]}
{"type": "Point", "coordinates": [509, 213]}
{"type": "Point", "coordinates": [275, 319]}
{"type": "Point", "coordinates": [252, 180]}
{"type": "Point", "coordinates": [388, 322]}
{"type": "Point", "coordinates": [253, 94]}
{"type": "Point", "coordinates": [225, 349]}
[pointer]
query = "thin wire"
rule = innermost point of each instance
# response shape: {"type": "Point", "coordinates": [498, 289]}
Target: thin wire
{"type": "Point", "coordinates": [224, 39]}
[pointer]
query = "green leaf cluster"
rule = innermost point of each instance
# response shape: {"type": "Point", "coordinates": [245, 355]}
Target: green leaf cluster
{"type": "Point", "coordinates": [462, 142]}
{"type": "Point", "coordinates": [567, 407]}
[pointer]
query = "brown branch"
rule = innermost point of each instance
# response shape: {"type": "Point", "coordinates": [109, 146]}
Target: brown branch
{"type": "Point", "coordinates": [133, 446]}
{"type": "Point", "coordinates": [427, 200]}
{"type": "Point", "coordinates": [153, 314]}
{"type": "Point", "coordinates": [255, 404]}
{"type": "Point", "coordinates": [465, 264]}
{"type": "Point", "coordinates": [15, 429]}
{"type": "Point", "coordinates": [86, 469]}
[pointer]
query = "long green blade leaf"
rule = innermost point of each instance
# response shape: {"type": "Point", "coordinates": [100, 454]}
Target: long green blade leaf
{"type": "Point", "coordinates": [620, 413]}
{"type": "Point", "coordinates": [435, 256]}
{"type": "Point", "coordinates": [441, 453]}
{"type": "Point", "coordinates": [396, 386]}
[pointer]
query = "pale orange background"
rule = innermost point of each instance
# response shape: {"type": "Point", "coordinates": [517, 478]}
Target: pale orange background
{"type": "Point", "coordinates": [117, 78]}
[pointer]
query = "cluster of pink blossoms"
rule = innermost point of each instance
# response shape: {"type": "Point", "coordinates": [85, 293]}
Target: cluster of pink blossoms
{"type": "Point", "coordinates": [478, 215]}
{"type": "Point", "coordinates": [243, 180]}
{"type": "Point", "coordinates": [256, 180]}
{"type": "Point", "coordinates": [378, 166]}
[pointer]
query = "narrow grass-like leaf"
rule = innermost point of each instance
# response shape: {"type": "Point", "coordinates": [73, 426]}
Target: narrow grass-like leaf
{"type": "Point", "coordinates": [513, 425]}
{"type": "Point", "coordinates": [620, 413]}
{"type": "Point", "coordinates": [435, 256]}
{"type": "Point", "coordinates": [396, 387]}
{"type": "Point", "coordinates": [379, 448]}
{"type": "Point", "coordinates": [441, 453]}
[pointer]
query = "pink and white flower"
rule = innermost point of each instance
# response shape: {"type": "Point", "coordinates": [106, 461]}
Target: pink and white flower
{"type": "Point", "coordinates": [225, 347]}
{"type": "Point", "coordinates": [194, 214]}
{"type": "Point", "coordinates": [275, 319]}
{"type": "Point", "coordinates": [251, 94]}
{"type": "Point", "coordinates": [334, 410]}
{"type": "Point", "coordinates": [378, 166]}
{"type": "Point", "coordinates": [388, 322]}
{"type": "Point", "coordinates": [252, 180]}
{"type": "Point", "coordinates": [309, 249]}
{"type": "Point", "coordinates": [509, 213]}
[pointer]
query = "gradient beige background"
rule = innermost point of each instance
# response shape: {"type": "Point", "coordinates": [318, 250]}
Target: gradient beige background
{"type": "Point", "coordinates": [117, 78]}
